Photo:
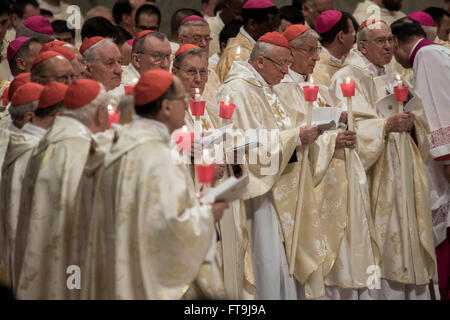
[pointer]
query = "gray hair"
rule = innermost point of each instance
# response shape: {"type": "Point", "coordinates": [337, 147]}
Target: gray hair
{"type": "Point", "coordinates": [90, 55]}
{"type": "Point", "coordinates": [38, 70]}
{"type": "Point", "coordinates": [184, 29]}
{"type": "Point", "coordinates": [261, 49]}
{"type": "Point", "coordinates": [86, 114]}
{"type": "Point", "coordinates": [193, 52]}
{"type": "Point", "coordinates": [310, 33]}
{"type": "Point", "coordinates": [23, 31]}
{"type": "Point", "coordinates": [18, 112]}
{"type": "Point", "coordinates": [362, 34]}
{"type": "Point", "coordinates": [139, 45]}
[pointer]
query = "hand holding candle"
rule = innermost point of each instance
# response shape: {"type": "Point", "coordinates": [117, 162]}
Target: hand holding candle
{"type": "Point", "coordinates": [226, 109]}
{"type": "Point", "coordinates": [197, 106]}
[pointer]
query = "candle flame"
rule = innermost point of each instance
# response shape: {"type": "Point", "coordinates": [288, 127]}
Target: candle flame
{"type": "Point", "coordinates": [184, 129]}
{"type": "Point", "coordinates": [135, 80]}
{"type": "Point", "coordinates": [311, 80]}
{"type": "Point", "coordinates": [398, 77]}
{"type": "Point", "coordinates": [205, 153]}
{"type": "Point", "coordinates": [227, 98]}
{"type": "Point", "coordinates": [110, 108]}
{"type": "Point", "coordinates": [347, 80]}
{"type": "Point", "coordinates": [197, 91]}
{"type": "Point", "coordinates": [238, 51]}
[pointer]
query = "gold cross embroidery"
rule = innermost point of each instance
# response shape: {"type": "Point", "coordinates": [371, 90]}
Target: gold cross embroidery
{"type": "Point", "coordinates": [205, 124]}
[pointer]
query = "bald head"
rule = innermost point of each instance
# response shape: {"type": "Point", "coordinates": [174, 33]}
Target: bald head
{"type": "Point", "coordinates": [270, 61]}
{"type": "Point", "coordinates": [57, 69]}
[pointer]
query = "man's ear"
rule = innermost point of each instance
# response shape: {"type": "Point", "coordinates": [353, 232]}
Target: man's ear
{"type": "Point", "coordinates": [340, 36]}
{"type": "Point", "coordinates": [28, 117]}
{"type": "Point", "coordinates": [181, 40]}
{"type": "Point", "coordinates": [15, 20]}
{"type": "Point", "coordinates": [20, 64]}
{"type": "Point", "coordinates": [362, 47]}
{"type": "Point", "coordinates": [88, 71]}
{"type": "Point", "coordinates": [126, 18]}
{"type": "Point", "coordinates": [135, 60]}
{"type": "Point", "coordinates": [260, 61]}
{"type": "Point", "coordinates": [166, 109]}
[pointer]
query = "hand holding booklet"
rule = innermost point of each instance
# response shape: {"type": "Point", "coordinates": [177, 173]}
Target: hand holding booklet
{"type": "Point", "coordinates": [230, 190]}
{"type": "Point", "coordinates": [326, 118]}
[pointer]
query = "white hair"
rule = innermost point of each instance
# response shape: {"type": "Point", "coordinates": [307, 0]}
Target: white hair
{"type": "Point", "coordinates": [90, 55]}
{"type": "Point", "coordinates": [310, 33]}
{"type": "Point", "coordinates": [261, 49]}
{"type": "Point", "coordinates": [18, 112]}
{"type": "Point", "coordinates": [86, 114]}
{"type": "Point", "coordinates": [184, 29]}
{"type": "Point", "coordinates": [362, 34]}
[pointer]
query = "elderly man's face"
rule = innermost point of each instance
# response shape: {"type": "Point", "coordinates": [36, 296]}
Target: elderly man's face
{"type": "Point", "coordinates": [57, 69]}
{"type": "Point", "coordinates": [106, 69]}
{"type": "Point", "coordinates": [193, 73]}
{"type": "Point", "coordinates": [199, 36]}
{"type": "Point", "coordinates": [156, 55]}
{"type": "Point", "coordinates": [379, 45]}
{"type": "Point", "coordinates": [274, 65]}
{"type": "Point", "coordinates": [305, 56]}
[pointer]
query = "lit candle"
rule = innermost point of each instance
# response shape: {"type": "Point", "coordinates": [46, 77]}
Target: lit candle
{"type": "Point", "coordinates": [238, 52]}
{"type": "Point", "coordinates": [311, 91]}
{"type": "Point", "coordinates": [113, 115]}
{"type": "Point", "coordinates": [197, 94]}
{"type": "Point", "coordinates": [226, 109]}
{"type": "Point", "coordinates": [135, 80]}
{"type": "Point", "coordinates": [197, 106]}
{"type": "Point", "coordinates": [399, 81]}
{"type": "Point", "coordinates": [400, 93]}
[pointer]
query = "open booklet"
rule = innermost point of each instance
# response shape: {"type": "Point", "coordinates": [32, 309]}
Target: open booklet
{"type": "Point", "coordinates": [388, 106]}
{"type": "Point", "coordinates": [229, 190]}
{"type": "Point", "coordinates": [326, 118]}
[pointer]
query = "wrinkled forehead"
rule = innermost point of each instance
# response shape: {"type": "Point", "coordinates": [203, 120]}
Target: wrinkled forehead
{"type": "Point", "coordinates": [199, 30]}
{"type": "Point", "coordinates": [194, 61]}
{"type": "Point", "coordinates": [378, 30]}
{"type": "Point", "coordinates": [108, 50]}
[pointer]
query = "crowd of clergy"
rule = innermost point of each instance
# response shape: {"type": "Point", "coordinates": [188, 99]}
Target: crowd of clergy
{"type": "Point", "coordinates": [101, 193]}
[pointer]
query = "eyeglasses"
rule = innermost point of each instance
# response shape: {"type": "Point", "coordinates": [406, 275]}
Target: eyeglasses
{"type": "Point", "coordinates": [280, 64]}
{"type": "Point", "coordinates": [381, 41]}
{"type": "Point", "coordinates": [198, 39]}
{"type": "Point", "coordinates": [193, 72]}
{"type": "Point", "coordinates": [157, 57]}
{"type": "Point", "coordinates": [311, 50]}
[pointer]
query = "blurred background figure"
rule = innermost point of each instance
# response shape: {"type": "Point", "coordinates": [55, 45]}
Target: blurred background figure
{"type": "Point", "coordinates": [290, 15]}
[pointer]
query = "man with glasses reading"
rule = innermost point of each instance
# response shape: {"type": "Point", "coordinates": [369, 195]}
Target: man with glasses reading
{"type": "Point", "coordinates": [151, 50]}
{"type": "Point", "coordinates": [341, 274]}
{"type": "Point", "coordinates": [405, 239]}
{"type": "Point", "coordinates": [271, 196]}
